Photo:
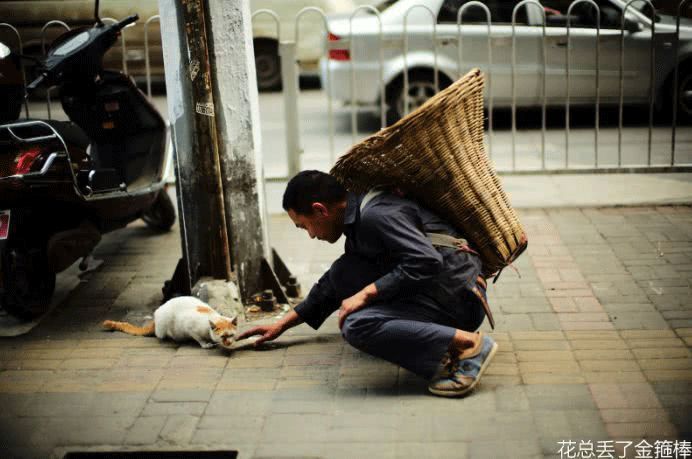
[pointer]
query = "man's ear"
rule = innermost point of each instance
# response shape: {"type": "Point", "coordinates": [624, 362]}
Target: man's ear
{"type": "Point", "coordinates": [320, 208]}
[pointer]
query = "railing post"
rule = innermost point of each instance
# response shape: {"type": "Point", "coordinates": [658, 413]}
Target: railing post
{"type": "Point", "coordinates": [289, 80]}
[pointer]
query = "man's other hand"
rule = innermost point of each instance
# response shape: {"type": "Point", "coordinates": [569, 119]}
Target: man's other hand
{"type": "Point", "coordinates": [266, 332]}
{"type": "Point", "coordinates": [356, 302]}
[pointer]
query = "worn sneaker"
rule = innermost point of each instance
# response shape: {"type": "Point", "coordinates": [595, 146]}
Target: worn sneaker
{"type": "Point", "coordinates": [459, 376]}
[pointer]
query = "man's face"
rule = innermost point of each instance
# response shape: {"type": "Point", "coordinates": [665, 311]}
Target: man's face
{"type": "Point", "coordinates": [324, 223]}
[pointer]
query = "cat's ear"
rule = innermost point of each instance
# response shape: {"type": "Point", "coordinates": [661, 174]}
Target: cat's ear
{"type": "Point", "coordinates": [212, 325]}
{"type": "Point", "coordinates": [234, 320]}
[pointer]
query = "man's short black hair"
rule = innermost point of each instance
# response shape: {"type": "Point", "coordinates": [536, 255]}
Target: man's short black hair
{"type": "Point", "coordinates": [308, 187]}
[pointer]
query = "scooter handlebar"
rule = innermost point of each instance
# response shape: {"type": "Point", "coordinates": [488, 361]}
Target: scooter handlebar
{"type": "Point", "coordinates": [127, 21]}
{"type": "Point", "coordinates": [36, 83]}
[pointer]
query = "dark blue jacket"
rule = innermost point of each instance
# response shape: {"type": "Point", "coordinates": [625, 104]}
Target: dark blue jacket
{"type": "Point", "coordinates": [407, 269]}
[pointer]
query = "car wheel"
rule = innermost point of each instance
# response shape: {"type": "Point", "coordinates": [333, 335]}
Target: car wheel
{"type": "Point", "coordinates": [267, 65]}
{"type": "Point", "coordinates": [421, 87]}
{"type": "Point", "coordinates": [161, 215]}
{"type": "Point", "coordinates": [27, 282]}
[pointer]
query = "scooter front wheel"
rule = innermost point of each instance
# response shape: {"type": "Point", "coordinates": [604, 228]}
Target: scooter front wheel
{"type": "Point", "coordinates": [161, 215]}
{"type": "Point", "coordinates": [27, 284]}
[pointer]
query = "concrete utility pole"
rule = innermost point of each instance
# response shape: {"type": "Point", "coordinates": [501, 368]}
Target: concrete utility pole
{"type": "Point", "coordinates": [213, 108]}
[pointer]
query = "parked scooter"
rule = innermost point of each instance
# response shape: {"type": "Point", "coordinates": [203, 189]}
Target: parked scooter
{"type": "Point", "coordinates": [64, 184]}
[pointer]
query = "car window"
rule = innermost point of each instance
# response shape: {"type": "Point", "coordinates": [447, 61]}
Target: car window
{"type": "Point", "coordinates": [583, 14]}
{"type": "Point", "coordinates": [500, 12]}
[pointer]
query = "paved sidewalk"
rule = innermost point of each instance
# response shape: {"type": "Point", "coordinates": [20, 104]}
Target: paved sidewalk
{"type": "Point", "coordinates": [594, 345]}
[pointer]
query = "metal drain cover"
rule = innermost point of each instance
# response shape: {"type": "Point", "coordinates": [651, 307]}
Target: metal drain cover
{"type": "Point", "coordinates": [152, 455]}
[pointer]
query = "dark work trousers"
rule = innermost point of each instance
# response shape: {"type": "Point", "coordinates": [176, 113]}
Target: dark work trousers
{"type": "Point", "coordinates": [413, 333]}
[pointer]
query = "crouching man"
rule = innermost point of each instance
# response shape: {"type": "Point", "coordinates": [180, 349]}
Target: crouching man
{"type": "Point", "coordinates": [407, 288]}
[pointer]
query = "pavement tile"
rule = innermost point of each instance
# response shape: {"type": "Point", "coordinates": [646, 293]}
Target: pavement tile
{"type": "Point", "coordinates": [598, 344]}
{"type": "Point", "coordinates": [541, 345]}
{"type": "Point", "coordinates": [178, 429]}
{"type": "Point", "coordinates": [23, 381]}
{"type": "Point", "coordinates": [181, 395]}
{"type": "Point", "coordinates": [129, 380]}
{"type": "Point", "coordinates": [613, 376]}
{"type": "Point", "coordinates": [536, 335]}
{"type": "Point", "coordinates": [174, 408]}
{"type": "Point", "coordinates": [295, 428]}
{"type": "Point", "coordinates": [668, 375]}
{"type": "Point", "coordinates": [602, 354]}
{"type": "Point", "coordinates": [656, 342]}
{"type": "Point", "coordinates": [87, 364]}
{"type": "Point", "coordinates": [82, 430]}
{"type": "Point", "coordinates": [511, 398]}
{"type": "Point", "coordinates": [642, 430]}
{"type": "Point", "coordinates": [190, 361]}
{"type": "Point", "coordinates": [615, 415]}
{"type": "Point", "coordinates": [30, 364]}
{"type": "Point", "coordinates": [58, 405]}
{"type": "Point", "coordinates": [145, 430]}
{"type": "Point", "coordinates": [239, 403]}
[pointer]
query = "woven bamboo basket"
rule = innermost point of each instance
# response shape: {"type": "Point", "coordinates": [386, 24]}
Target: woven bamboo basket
{"type": "Point", "coordinates": [436, 156]}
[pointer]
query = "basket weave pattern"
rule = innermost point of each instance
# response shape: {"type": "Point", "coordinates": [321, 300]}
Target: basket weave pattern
{"type": "Point", "coordinates": [437, 157]}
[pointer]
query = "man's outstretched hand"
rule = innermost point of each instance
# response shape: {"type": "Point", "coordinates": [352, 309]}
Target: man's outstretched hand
{"type": "Point", "coordinates": [266, 332]}
{"type": "Point", "coordinates": [273, 331]}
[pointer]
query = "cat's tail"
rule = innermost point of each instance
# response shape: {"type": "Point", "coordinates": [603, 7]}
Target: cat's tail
{"type": "Point", "coordinates": [146, 330]}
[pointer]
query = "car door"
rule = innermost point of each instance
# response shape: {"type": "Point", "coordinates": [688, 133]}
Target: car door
{"type": "Point", "coordinates": [583, 63]}
{"type": "Point", "coordinates": [474, 48]}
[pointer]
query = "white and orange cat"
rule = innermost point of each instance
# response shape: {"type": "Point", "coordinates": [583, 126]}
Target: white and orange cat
{"type": "Point", "coordinates": [185, 318]}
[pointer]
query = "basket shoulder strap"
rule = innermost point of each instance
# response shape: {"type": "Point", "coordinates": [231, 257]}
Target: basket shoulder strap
{"type": "Point", "coordinates": [374, 192]}
{"type": "Point", "coordinates": [445, 240]}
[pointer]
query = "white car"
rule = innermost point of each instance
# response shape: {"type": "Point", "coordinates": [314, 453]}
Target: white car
{"type": "Point", "coordinates": [310, 47]}
{"type": "Point", "coordinates": [362, 55]}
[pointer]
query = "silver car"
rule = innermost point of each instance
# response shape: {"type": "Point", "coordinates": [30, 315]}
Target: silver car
{"type": "Point", "coordinates": [352, 72]}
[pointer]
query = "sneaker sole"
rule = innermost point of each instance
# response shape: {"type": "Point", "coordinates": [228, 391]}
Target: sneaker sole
{"type": "Point", "coordinates": [475, 381]}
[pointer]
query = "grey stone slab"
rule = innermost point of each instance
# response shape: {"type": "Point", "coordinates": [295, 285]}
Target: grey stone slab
{"type": "Point", "coordinates": [511, 398]}
{"type": "Point", "coordinates": [145, 430]}
{"type": "Point", "coordinates": [492, 449]}
{"type": "Point", "coordinates": [370, 428]}
{"type": "Point", "coordinates": [25, 453]}
{"type": "Point", "coordinates": [239, 403]}
{"type": "Point", "coordinates": [20, 433]}
{"type": "Point", "coordinates": [680, 323]}
{"type": "Point", "coordinates": [14, 405]}
{"type": "Point", "coordinates": [306, 450]}
{"type": "Point", "coordinates": [58, 404]}
{"type": "Point", "coordinates": [545, 321]}
{"type": "Point", "coordinates": [429, 450]}
{"type": "Point", "coordinates": [637, 320]}
{"type": "Point", "coordinates": [174, 408]}
{"type": "Point", "coordinates": [559, 397]}
{"type": "Point", "coordinates": [673, 393]}
{"type": "Point", "coordinates": [119, 404]}
{"type": "Point", "coordinates": [178, 429]}
{"type": "Point", "coordinates": [295, 428]}
{"type": "Point", "coordinates": [513, 425]}
{"type": "Point", "coordinates": [182, 395]}
{"type": "Point", "coordinates": [83, 430]}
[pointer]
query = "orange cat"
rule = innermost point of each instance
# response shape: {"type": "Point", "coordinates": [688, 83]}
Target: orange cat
{"type": "Point", "coordinates": [185, 318]}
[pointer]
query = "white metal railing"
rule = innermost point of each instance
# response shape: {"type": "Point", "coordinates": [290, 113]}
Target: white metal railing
{"type": "Point", "coordinates": [292, 94]}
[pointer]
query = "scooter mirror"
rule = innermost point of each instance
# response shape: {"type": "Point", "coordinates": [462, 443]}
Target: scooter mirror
{"type": "Point", "coordinates": [96, 13]}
